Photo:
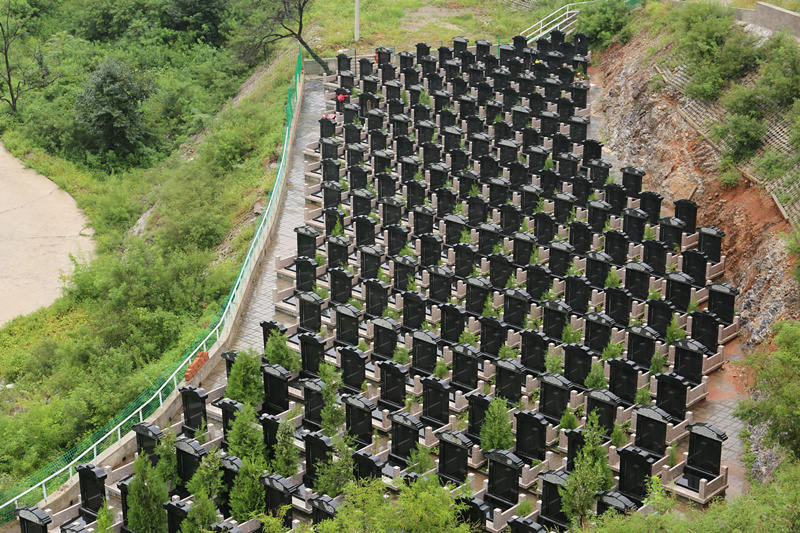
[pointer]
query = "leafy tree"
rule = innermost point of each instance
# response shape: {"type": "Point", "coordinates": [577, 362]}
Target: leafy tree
{"type": "Point", "coordinates": [248, 495]}
{"type": "Point", "coordinates": [276, 20]}
{"type": "Point", "coordinates": [146, 496]}
{"type": "Point", "coordinates": [333, 475]}
{"type": "Point", "coordinates": [204, 486]}
{"type": "Point", "coordinates": [246, 438]}
{"type": "Point", "coordinates": [201, 18]}
{"type": "Point", "coordinates": [105, 519]}
{"type": "Point", "coordinates": [19, 78]}
{"type": "Point", "coordinates": [110, 109]}
{"type": "Point", "coordinates": [569, 420]}
{"type": "Point", "coordinates": [591, 474]}
{"type": "Point", "coordinates": [776, 377]}
{"type": "Point", "coordinates": [497, 430]}
{"type": "Point", "coordinates": [613, 279]}
{"type": "Point", "coordinates": [420, 461]}
{"type": "Point", "coordinates": [401, 355]}
{"type": "Point", "coordinates": [284, 456]}
{"type": "Point", "coordinates": [552, 362]}
{"type": "Point", "coordinates": [167, 467]}
{"type": "Point", "coordinates": [742, 135]}
{"type": "Point", "coordinates": [332, 415]}
{"type": "Point", "coordinates": [619, 435]}
{"type": "Point", "coordinates": [596, 378]}
{"type": "Point", "coordinates": [570, 334]}
{"type": "Point", "coordinates": [642, 396]}
{"type": "Point", "coordinates": [601, 21]}
{"type": "Point", "coordinates": [277, 352]}
{"type": "Point", "coordinates": [657, 363]}
{"type": "Point", "coordinates": [246, 384]}
{"type": "Point", "coordinates": [440, 370]}
{"type": "Point", "coordinates": [674, 331]}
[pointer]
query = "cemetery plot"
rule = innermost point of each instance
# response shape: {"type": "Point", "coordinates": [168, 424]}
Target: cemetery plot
{"type": "Point", "coordinates": [471, 243]}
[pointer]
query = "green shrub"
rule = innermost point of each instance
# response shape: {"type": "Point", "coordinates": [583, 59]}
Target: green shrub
{"type": "Point", "coordinates": [497, 430]}
{"type": "Point", "coordinates": [596, 379]}
{"type": "Point", "coordinates": [642, 396]}
{"type": "Point", "coordinates": [277, 352]}
{"type": "Point", "coordinates": [570, 334]}
{"type": "Point", "coordinates": [742, 135]}
{"type": "Point", "coordinates": [400, 355]}
{"type": "Point", "coordinates": [619, 436]}
{"type": "Point", "coordinates": [657, 363]}
{"type": "Point", "coordinates": [246, 383]}
{"type": "Point", "coordinates": [568, 420]}
{"type": "Point", "coordinates": [552, 362]}
{"type": "Point", "coordinates": [613, 350]}
{"type": "Point", "coordinates": [601, 21]}
{"type": "Point", "coordinates": [420, 461]}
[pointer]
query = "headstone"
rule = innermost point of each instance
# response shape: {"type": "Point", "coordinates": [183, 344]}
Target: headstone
{"type": "Point", "coordinates": [452, 323]}
{"type": "Point", "coordinates": [635, 465]}
{"type": "Point", "coordinates": [577, 363]}
{"type": "Point", "coordinates": [310, 304]}
{"type": "Point", "coordinates": [598, 331]}
{"type": "Point", "coordinates": [405, 435]}
{"type": "Point", "coordinates": [313, 402]}
{"type": "Point", "coordinates": [454, 449]}
{"type": "Point", "coordinates": [435, 402]}
{"type": "Point", "coordinates": [385, 331]}
{"type": "Point", "coordinates": [147, 438]}
{"type": "Point", "coordinates": [605, 403]}
{"type": "Point", "coordinates": [705, 454]}
{"type": "Point", "coordinates": [532, 350]}
{"type": "Point", "coordinates": [230, 408]}
{"type": "Point", "coordinates": [376, 297]}
{"type": "Point", "coordinates": [552, 516]}
{"type": "Point", "coordinates": [276, 389]}
{"type": "Point", "coordinates": [722, 301]}
{"type": "Point", "coordinates": [465, 367]}
{"type": "Point", "coordinates": [193, 400]}
{"type": "Point", "coordinates": [353, 363]}
{"type": "Point", "coordinates": [555, 314]}
{"type": "Point", "coordinates": [177, 511]}
{"type": "Point", "coordinates": [531, 436]}
{"type": "Point", "coordinates": [679, 289]}
{"type": "Point", "coordinates": [505, 469]}
{"type": "Point", "coordinates": [689, 359]}
{"type": "Point", "coordinates": [279, 492]}
{"type": "Point", "coordinates": [188, 454]}
{"type": "Point", "coordinates": [637, 279]}
{"type": "Point", "coordinates": [554, 392]}
{"type": "Point", "coordinates": [671, 394]}
{"type": "Point", "coordinates": [710, 242]}
{"type": "Point", "coordinates": [318, 451]}
{"type": "Point", "coordinates": [32, 519]}
{"type": "Point", "coordinates": [659, 315]}
{"type": "Point", "coordinates": [598, 265]}
{"type": "Point", "coordinates": [393, 385]}
{"type": "Point", "coordinates": [358, 414]}
{"type": "Point", "coordinates": [91, 480]}
{"type": "Point", "coordinates": [478, 405]}
{"type": "Point", "coordinates": [623, 379]}
{"type": "Point", "coordinates": [347, 319]}
{"type": "Point", "coordinates": [618, 304]}
{"type": "Point", "coordinates": [424, 350]}
{"type": "Point", "coordinates": [642, 345]}
{"type": "Point", "coordinates": [509, 380]}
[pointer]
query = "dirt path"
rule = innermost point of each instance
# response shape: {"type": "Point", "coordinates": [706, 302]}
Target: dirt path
{"type": "Point", "coordinates": [40, 225]}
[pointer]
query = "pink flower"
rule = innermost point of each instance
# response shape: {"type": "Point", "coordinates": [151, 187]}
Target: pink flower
{"type": "Point", "coordinates": [341, 97]}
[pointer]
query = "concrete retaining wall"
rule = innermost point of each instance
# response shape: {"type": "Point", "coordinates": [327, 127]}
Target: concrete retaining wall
{"type": "Point", "coordinates": [771, 17]}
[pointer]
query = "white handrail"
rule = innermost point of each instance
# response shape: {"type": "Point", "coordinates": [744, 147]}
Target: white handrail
{"type": "Point", "coordinates": [551, 21]}
{"type": "Point", "coordinates": [220, 330]}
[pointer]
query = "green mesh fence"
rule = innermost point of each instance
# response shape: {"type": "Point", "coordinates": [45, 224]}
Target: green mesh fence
{"type": "Point", "coordinates": [51, 477]}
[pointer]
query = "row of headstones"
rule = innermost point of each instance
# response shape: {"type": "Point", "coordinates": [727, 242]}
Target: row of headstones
{"type": "Point", "coordinates": [527, 67]}
{"type": "Point", "coordinates": [531, 433]}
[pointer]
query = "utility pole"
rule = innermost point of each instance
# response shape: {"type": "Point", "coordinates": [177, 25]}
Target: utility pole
{"type": "Point", "coordinates": [357, 37]}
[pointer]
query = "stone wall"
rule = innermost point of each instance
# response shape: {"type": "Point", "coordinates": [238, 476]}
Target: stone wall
{"type": "Point", "coordinates": [771, 17]}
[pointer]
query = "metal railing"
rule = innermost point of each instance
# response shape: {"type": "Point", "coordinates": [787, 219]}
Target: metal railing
{"type": "Point", "coordinates": [562, 19]}
{"type": "Point", "coordinates": [59, 471]}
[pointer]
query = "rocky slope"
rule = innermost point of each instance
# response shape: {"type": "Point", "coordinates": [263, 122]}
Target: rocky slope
{"type": "Point", "coordinates": [643, 127]}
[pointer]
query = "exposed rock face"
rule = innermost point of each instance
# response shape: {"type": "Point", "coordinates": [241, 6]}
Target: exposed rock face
{"type": "Point", "coordinates": [644, 128]}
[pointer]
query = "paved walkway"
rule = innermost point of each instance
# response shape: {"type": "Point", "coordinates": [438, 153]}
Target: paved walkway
{"type": "Point", "coordinates": [284, 240]}
{"type": "Point", "coordinates": [40, 225]}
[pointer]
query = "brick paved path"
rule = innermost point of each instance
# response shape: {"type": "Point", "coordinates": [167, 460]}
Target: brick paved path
{"type": "Point", "coordinates": [284, 241]}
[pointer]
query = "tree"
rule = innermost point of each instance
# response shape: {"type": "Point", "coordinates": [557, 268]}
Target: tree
{"type": "Point", "coordinates": [147, 493]}
{"type": "Point", "coordinates": [110, 108]}
{"type": "Point", "coordinates": [334, 474]}
{"type": "Point", "coordinates": [776, 378]}
{"type": "Point", "coordinates": [246, 384]}
{"type": "Point", "coordinates": [285, 460]}
{"type": "Point", "coordinates": [277, 352]}
{"type": "Point", "coordinates": [497, 430]}
{"type": "Point", "coordinates": [596, 378]}
{"type": "Point", "coordinates": [279, 20]}
{"type": "Point", "coordinates": [167, 467]}
{"type": "Point", "coordinates": [420, 461]}
{"type": "Point", "coordinates": [204, 486]}
{"type": "Point", "coordinates": [332, 412]}
{"type": "Point", "coordinates": [590, 475]}
{"type": "Point", "coordinates": [105, 519]}
{"type": "Point", "coordinates": [246, 438]}
{"type": "Point", "coordinates": [16, 78]}
{"type": "Point", "coordinates": [248, 494]}
{"type": "Point", "coordinates": [202, 18]}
